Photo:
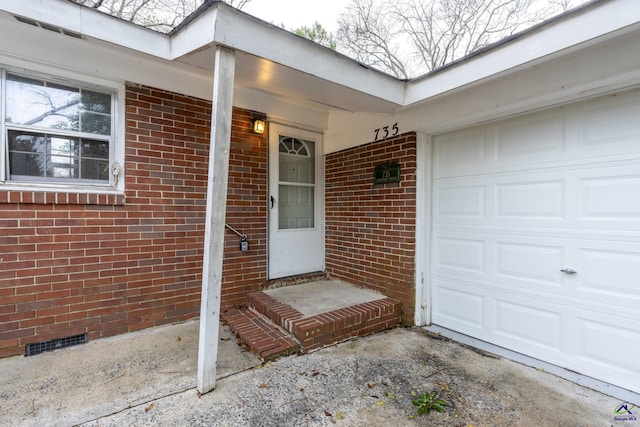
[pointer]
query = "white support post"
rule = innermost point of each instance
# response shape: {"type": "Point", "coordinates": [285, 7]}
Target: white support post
{"type": "Point", "coordinates": [223, 79]}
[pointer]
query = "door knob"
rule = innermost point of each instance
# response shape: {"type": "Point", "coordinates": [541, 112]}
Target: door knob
{"type": "Point", "coordinates": [273, 200]}
{"type": "Point", "coordinates": [568, 271]}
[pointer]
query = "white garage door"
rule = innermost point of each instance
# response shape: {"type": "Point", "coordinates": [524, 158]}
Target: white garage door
{"type": "Point", "coordinates": [519, 206]}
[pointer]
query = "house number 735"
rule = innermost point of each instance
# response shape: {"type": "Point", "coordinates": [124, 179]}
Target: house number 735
{"type": "Point", "coordinates": [386, 131]}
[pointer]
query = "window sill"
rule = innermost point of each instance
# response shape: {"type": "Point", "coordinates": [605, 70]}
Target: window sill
{"type": "Point", "coordinates": [61, 197]}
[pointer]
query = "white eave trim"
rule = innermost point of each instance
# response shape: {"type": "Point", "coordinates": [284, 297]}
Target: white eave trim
{"type": "Point", "coordinates": [219, 24]}
{"type": "Point", "coordinates": [91, 24]}
{"type": "Point", "coordinates": [198, 34]}
{"type": "Point", "coordinates": [224, 25]}
{"type": "Point", "coordinates": [246, 33]}
{"type": "Point", "coordinates": [598, 19]}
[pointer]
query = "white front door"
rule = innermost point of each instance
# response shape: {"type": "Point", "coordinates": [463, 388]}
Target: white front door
{"type": "Point", "coordinates": [296, 220]}
{"type": "Point", "coordinates": [536, 236]}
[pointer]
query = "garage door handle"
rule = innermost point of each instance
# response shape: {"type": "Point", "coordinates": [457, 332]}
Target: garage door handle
{"type": "Point", "coordinates": [568, 271]}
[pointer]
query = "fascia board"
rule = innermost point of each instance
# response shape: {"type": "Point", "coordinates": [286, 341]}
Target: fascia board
{"type": "Point", "coordinates": [243, 32]}
{"type": "Point", "coordinates": [197, 35]}
{"type": "Point", "coordinates": [92, 24]}
{"type": "Point", "coordinates": [548, 42]}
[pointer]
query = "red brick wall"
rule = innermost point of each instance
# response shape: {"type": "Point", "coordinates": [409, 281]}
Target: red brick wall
{"type": "Point", "coordinates": [244, 272]}
{"type": "Point", "coordinates": [104, 264]}
{"type": "Point", "coordinates": [370, 229]}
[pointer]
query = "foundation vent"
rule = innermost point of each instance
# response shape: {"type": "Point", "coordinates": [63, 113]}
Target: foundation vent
{"type": "Point", "coordinates": [41, 347]}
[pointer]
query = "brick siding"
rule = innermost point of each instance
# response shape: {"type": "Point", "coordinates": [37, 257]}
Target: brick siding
{"type": "Point", "coordinates": [104, 264]}
{"type": "Point", "coordinates": [244, 272]}
{"type": "Point", "coordinates": [107, 264]}
{"type": "Point", "coordinates": [370, 229]}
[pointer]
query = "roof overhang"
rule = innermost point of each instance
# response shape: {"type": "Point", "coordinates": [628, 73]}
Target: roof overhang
{"type": "Point", "coordinates": [593, 23]}
{"type": "Point", "coordinates": [273, 62]}
{"type": "Point", "coordinates": [270, 59]}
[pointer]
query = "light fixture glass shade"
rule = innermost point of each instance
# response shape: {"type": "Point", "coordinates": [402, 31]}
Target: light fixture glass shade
{"type": "Point", "coordinates": [259, 126]}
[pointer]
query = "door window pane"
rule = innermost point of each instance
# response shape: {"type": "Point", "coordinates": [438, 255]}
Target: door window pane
{"type": "Point", "coordinates": [297, 183]}
{"type": "Point", "coordinates": [297, 161]}
{"type": "Point", "coordinates": [296, 207]}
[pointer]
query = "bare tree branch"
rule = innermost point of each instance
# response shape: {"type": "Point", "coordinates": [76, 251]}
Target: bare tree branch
{"type": "Point", "coordinates": [407, 37]}
{"type": "Point", "coordinates": [159, 15]}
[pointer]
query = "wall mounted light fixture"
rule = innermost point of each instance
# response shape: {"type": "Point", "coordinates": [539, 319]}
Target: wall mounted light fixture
{"type": "Point", "coordinates": [259, 126]}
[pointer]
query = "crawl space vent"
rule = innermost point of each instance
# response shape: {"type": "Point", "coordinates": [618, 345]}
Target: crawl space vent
{"type": "Point", "coordinates": [41, 347]}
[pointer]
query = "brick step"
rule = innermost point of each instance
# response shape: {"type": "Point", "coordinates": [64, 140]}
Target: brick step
{"type": "Point", "coordinates": [261, 336]}
{"type": "Point", "coordinates": [317, 331]}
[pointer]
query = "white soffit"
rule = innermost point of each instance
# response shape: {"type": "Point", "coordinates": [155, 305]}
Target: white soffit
{"type": "Point", "coordinates": [575, 31]}
{"type": "Point", "coordinates": [246, 33]}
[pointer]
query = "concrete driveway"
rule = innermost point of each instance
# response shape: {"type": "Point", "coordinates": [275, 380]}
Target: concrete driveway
{"type": "Point", "coordinates": [148, 378]}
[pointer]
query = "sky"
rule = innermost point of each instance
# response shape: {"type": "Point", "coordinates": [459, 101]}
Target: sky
{"type": "Point", "coordinates": [297, 13]}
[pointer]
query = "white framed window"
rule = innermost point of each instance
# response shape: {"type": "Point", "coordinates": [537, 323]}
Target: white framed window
{"type": "Point", "coordinates": [57, 132]}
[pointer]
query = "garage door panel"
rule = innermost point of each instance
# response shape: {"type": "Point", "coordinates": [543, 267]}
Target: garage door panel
{"type": "Point", "coordinates": [530, 200]}
{"type": "Point", "coordinates": [462, 307]}
{"type": "Point", "coordinates": [612, 274]}
{"type": "Point", "coordinates": [611, 124]}
{"type": "Point", "coordinates": [610, 350]}
{"type": "Point", "coordinates": [461, 254]}
{"type": "Point", "coordinates": [530, 263]}
{"type": "Point", "coordinates": [531, 326]}
{"type": "Point", "coordinates": [524, 139]}
{"type": "Point", "coordinates": [608, 272]}
{"type": "Point", "coordinates": [613, 346]}
{"type": "Point", "coordinates": [585, 199]}
{"type": "Point", "coordinates": [506, 263]}
{"type": "Point", "coordinates": [461, 201]}
{"type": "Point", "coordinates": [460, 152]}
{"type": "Point", "coordinates": [532, 196]}
{"type": "Point", "coordinates": [595, 130]}
{"type": "Point", "coordinates": [611, 197]}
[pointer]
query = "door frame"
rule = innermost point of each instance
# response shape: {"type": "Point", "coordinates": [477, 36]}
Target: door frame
{"type": "Point", "coordinates": [423, 309]}
{"type": "Point", "coordinates": [291, 130]}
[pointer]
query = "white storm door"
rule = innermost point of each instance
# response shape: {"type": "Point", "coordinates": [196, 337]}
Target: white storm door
{"type": "Point", "coordinates": [296, 220]}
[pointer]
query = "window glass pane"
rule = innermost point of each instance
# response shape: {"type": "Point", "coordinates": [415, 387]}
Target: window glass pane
{"type": "Point", "coordinates": [95, 169]}
{"type": "Point", "coordinates": [295, 207]}
{"type": "Point", "coordinates": [95, 123]}
{"type": "Point", "coordinates": [33, 102]}
{"type": "Point", "coordinates": [36, 103]}
{"type": "Point", "coordinates": [27, 153]}
{"type": "Point", "coordinates": [95, 160]}
{"type": "Point", "coordinates": [44, 156]}
{"type": "Point", "coordinates": [56, 116]}
{"type": "Point", "coordinates": [297, 165]}
{"type": "Point", "coordinates": [62, 161]}
{"type": "Point", "coordinates": [97, 149]}
{"type": "Point", "coordinates": [96, 102]}
{"type": "Point", "coordinates": [96, 117]}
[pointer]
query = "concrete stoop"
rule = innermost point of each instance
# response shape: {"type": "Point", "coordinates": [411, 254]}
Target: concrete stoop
{"type": "Point", "coordinates": [272, 328]}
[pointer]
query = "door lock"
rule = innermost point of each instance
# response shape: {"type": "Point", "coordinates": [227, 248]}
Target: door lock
{"type": "Point", "coordinates": [244, 244]}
